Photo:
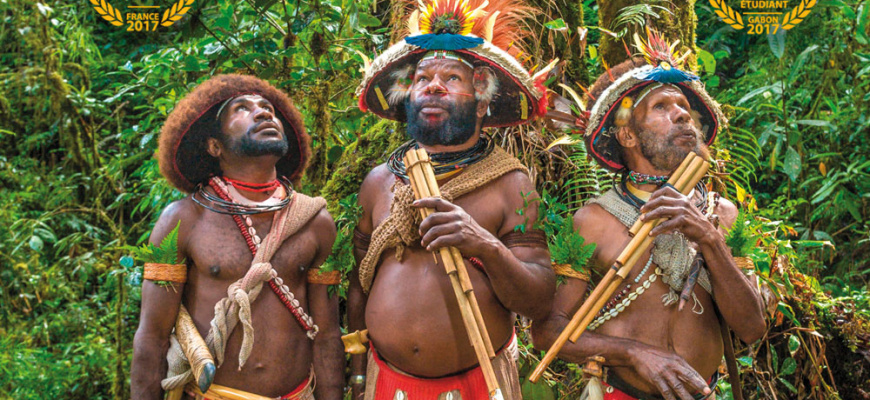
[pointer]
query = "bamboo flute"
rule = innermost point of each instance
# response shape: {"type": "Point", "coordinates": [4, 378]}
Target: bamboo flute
{"type": "Point", "coordinates": [691, 170]}
{"type": "Point", "coordinates": [422, 179]}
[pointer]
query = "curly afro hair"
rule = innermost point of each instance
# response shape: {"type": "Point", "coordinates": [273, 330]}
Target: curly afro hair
{"type": "Point", "coordinates": [182, 153]}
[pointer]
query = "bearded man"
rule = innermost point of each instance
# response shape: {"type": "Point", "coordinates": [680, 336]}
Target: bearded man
{"type": "Point", "coordinates": [253, 247]}
{"type": "Point", "coordinates": [419, 346]}
{"type": "Point", "coordinates": [644, 121]}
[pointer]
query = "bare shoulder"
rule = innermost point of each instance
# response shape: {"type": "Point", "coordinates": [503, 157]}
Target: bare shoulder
{"type": "Point", "coordinates": [370, 190]}
{"type": "Point", "coordinates": [323, 227]}
{"type": "Point", "coordinates": [182, 213]}
{"type": "Point", "coordinates": [727, 212]}
{"type": "Point", "coordinates": [594, 223]}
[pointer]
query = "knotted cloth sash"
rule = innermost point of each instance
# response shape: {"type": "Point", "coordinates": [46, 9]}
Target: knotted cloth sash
{"type": "Point", "coordinates": [236, 307]}
{"type": "Point", "coordinates": [400, 228]}
{"type": "Point", "coordinates": [671, 252]}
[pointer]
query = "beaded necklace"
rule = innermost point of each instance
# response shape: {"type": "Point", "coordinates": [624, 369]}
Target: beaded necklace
{"type": "Point", "coordinates": [221, 205]}
{"type": "Point", "coordinates": [642, 179]}
{"type": "Point", "coordinates": [253, 187]}
{"type": "Point", "coordinates": [444, 164]}
{"type": "Point", "coordinates": [253, 240]}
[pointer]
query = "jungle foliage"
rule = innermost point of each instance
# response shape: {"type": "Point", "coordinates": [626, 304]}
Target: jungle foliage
{"type": "Point", "coordinates": [82, 103]}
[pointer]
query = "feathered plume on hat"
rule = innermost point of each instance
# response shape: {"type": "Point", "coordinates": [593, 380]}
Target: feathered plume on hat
{"type": "Point", "coordinates": [624, 86]}
{"type": "Point", "coordinates": [477, 32]}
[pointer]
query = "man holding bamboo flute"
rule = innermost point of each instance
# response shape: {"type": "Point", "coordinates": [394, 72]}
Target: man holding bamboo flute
{"type": "Point", "coordinates": [660, 334]}
{"type": "Point", "coordinates": [449, 78]}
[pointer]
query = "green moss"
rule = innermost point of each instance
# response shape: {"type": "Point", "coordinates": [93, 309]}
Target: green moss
{"type": "Point", "coordinates": [360, 157]}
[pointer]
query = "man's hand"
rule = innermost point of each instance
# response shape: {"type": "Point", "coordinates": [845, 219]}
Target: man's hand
{"type": "Point", "coordinates": [668, 372]}
{"type": "Point", "coordinates": [449, 226]}
{"type": "Point", "coordinates": [681, 214]}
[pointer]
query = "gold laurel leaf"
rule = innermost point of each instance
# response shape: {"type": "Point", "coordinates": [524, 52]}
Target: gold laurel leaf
{"type": "Point", "coordinates": [175, 12]}
{"type": "Point", "coordinates": [728, 14]}
{"type": "Point", "coordinates": [797, 14]}
{"type": "Point", "coordinates": [109, 13]}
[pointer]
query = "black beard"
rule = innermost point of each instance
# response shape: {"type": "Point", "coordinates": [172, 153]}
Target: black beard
{"type": "Point", "coordinates": [457, 129]}
{"type": "Point", "coordinates": [664, 155]}
{"type": "Point", "coordinates": [248, 147]}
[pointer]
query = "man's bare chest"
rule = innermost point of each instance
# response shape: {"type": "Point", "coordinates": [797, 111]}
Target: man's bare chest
{"type": "Point", "coordinates": [219, 250]}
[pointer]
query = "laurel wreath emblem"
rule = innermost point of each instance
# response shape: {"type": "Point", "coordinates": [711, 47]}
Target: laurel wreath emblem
{"type": "Point", "coordinates": [170, 16]}
{"type": "Point", "coordinates": [175, 12]}
{"type": "Point", "coordinates": [733, 18]}
{"type": "Point", "coordinates": [108, 12]}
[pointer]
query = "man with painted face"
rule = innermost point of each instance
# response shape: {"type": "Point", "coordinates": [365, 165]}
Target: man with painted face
{"type": "Point", "coordinates": [419, 347]}
{"type": "Point", "coordinates": [644, 121]}
{"type": "Point", "coordinates": [253, 247]}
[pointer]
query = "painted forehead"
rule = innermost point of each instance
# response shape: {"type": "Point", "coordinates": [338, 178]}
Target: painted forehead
{"type": "Point", "coordinates": [444, 64]}
{"type": "Point", "coordinates": [665, 90]}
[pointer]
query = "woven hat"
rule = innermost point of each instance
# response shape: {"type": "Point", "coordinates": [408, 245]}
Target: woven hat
{"type": "Point", "coordinates": [182, 153]}
{"type": "Point", "coordinates": [633, 81]}
{"type": "Point", "coordinates": [480, 32]}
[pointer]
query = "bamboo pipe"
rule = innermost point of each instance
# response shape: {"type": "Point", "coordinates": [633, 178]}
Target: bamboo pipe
{"type": "Point", "coordinates": [425, 176]}
{"type": "Point", "coordinates": [692, 161]}
{"type": "Point", "coordinates": [423, 180]}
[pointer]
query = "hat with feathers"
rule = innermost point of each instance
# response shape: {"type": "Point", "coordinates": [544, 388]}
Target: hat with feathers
{"type": "Point", "coordinates": [182, 154]}
{"type": "Point", "coordinates": [480, 32]}
{"type": "Point", "coordinates": [622, 87]}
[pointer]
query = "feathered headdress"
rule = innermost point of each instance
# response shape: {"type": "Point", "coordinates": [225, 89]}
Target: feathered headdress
{"type": "Point", "coordinates": [624, 86]}
{"type": "Point", "coordinates": [476, 32]}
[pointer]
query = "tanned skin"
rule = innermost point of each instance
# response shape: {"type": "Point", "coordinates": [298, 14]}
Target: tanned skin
{"type": "Point", "coordinates": [217, 256]}
{"type": "Point", "coordinates": [658, 349]}
{"type": "Point", "coordinates": [411, 312]}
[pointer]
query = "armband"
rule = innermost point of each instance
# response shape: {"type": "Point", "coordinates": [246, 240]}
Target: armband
{"type": "Point", "coordinates": [165, 272]}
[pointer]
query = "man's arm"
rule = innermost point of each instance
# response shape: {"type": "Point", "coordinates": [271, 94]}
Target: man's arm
{"type": "Point", "coordinates": [521, 277]}
{"type": "Point", "coordinates": [673, 377]}
{"type": "Point", "coordinates": [356, 297]}
{"type": "Point", "coordinates": [157, 318]}
{"type": "Point", "coordinates": [735, 295]}
{"type": "Point", "coordinates": [328, 351]}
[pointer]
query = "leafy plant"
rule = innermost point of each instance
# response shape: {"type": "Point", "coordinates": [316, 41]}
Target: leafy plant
{"type": "Point", "coordinates": [165, 253]}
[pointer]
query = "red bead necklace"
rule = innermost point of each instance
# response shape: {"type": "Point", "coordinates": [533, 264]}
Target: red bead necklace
{"type": "Point", "coordinates": [253, 247]}
{"type": "Point", "coordinates": [253, 187]}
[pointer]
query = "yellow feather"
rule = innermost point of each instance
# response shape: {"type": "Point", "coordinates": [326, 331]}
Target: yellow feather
{"type": "Point", "coordinates": [567, 139]}
{"type": "Point", "coordinates": [575, 96]}
{"type": "Point", "coordinates": [478, 12]}
{"type": "Point", "coordinates": [490, 25]}
{"type": "Point", "coordinates": [414, 23]}
{"type": "Point", "coordinates": [545, 70]}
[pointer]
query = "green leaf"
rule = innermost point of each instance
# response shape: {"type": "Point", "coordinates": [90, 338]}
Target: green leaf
{"type": "Point", "coordinates": [745, 361]}
{"type": "Point", "coordinates": [126, 262]}
{"type": "Point", "coordinates": [366, 20]}
{"type": "Point", "coordinates": [788, 366]}
{"type": "Point", "coordinates": [537, 391]}
{"type": "Point", "coordinates": [708, 61]}
{"type": "Point", "coordinates": [556, 24]}
{"type": "Point", "coordinates": [792, 163]}
{"type": "Point", "coordinates": [793, 344]}
{"type": "Point", "coordinates": [777, 42]}
{"type": "Point", "coordinates": [36, 243]}
{"type": "Point", "coordinates": [788, 385]}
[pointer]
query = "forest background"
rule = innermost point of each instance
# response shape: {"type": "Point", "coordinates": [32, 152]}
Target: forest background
{"type": "Point", "coordinates": [82, 102]}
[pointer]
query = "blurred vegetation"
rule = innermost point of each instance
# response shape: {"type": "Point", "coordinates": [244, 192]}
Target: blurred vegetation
{"type": "Point", "coordinates": [82, 103]}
